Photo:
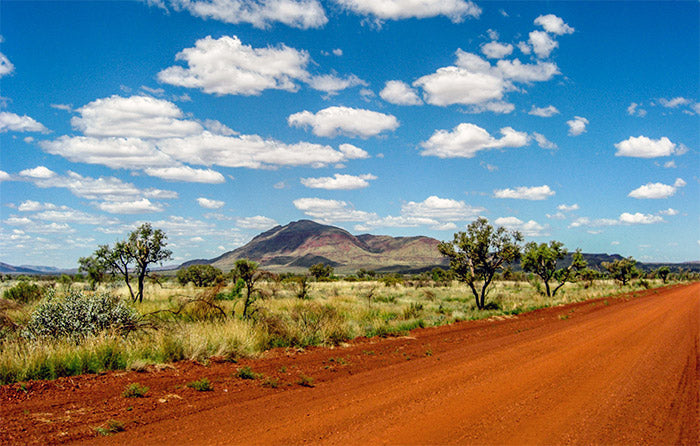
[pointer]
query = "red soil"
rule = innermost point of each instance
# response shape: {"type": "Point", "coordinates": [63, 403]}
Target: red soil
{"type": "Point", "coordinates": [612, 371]}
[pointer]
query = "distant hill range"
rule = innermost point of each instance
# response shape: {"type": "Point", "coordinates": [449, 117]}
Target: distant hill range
{"type": "Point", "coordinates": [303, 243]}
{"type": "Point", "coordinates": [300, 244]}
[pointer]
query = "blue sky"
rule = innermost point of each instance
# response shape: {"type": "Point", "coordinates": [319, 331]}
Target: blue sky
{"type": "Point", "coordinates": [217, 119]}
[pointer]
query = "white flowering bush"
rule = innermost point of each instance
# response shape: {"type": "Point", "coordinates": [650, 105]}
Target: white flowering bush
{"type": "Point", "coordinates": [79, 315]}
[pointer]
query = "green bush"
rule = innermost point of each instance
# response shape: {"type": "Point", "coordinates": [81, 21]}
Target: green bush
{"type": "Point", "coordinates": [77, 316]}
{"type": "Point", "coordinates": [24, 292]}
{"type": "Point", "coordinates": [135, 390]}
{"type": "Point", "coordinates": [202, 385]}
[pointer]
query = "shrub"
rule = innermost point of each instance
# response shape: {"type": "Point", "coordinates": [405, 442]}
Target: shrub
{"type": "Point", "coordinates": [78, 316]}
{"type": "Point", "coordinates": [135, 390]}
{"type": "Point", "coordinates": [247, 373]}
{"type": "Point", "coordinates": [24, 292]}
{"type": "Point", "coordinates": [202, 385]}
{"type": "Point", "coordinates": [200, 275]}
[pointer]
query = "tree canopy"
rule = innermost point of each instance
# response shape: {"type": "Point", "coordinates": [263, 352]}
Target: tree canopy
{"type": "Point", "coordinates": [477, 254]}
{"type": "Point", "coordinates": [542, 260]}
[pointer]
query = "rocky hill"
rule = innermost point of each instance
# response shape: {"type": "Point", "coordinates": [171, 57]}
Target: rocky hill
{"type": "Point", "coordinates": [300, 244]}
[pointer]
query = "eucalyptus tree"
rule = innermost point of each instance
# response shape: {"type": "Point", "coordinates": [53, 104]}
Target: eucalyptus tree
{"type": "Point", "coordinates": [542, 260]}
{"type": "Point", "coordinates": [479, 253]}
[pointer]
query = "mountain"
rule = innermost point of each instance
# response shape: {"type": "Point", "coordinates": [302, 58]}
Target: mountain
{"type": "Point", "coordinates": [10, 269]}
{"type": "Point", "coordinates": [300, 244]}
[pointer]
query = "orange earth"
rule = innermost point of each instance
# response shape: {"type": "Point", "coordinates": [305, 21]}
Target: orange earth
{"type": "Point", "coordinates": [609, 371]}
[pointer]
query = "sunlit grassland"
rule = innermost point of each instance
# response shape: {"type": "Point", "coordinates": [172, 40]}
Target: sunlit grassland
{"type": "Point", "coordinates": [333, 313]}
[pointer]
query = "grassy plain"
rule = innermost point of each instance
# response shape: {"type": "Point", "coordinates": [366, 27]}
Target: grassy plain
{"type": "Point", "coordinates": [333, 313]}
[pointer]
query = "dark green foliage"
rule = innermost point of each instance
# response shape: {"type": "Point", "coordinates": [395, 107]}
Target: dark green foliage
{"type": "Point", "coordinates": [622, 270]}
{"type": "Point", "coordinates": [321, 271]}
{"type": "Point", "coordinates": [235, 292]}
{"type": "Point", "coordinates": [202, 385]}
{"type": "Point", "coordinates": [542, 260]}
{"type": "Point", "coordinates": [247, 373]}
{"type": "Point", "coordinates": [663, 273]}
{"type": "Point", "coordinates": [143, 247]}
{"type": "Point", "coordinates": [199, 275]}
{"type": "Point", "coordinates": [77, 316]}
{"type": "Point", "coordinates": [248, 271]}
{"type": "Point", "coordinates": [135, 390]}
{"type": "Point", "coordinates": [478, 254]}
{"type": "Point", "coordinates": [24, 292]}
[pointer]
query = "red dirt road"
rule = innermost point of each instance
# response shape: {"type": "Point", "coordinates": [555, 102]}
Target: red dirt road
{"type": "Point", "coordinates": [612, 371]}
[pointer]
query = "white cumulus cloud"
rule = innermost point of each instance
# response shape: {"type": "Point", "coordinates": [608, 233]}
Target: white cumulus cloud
{"type": "Point", "coordinates": [442, 209]}
{"type": "Point", "coordinates": [496, 50]}
{"type": "Point", "coordinates": [542, 43]}
{"type": "Point", "coordinates": [258, 222]}
{"type": "Point", "coordinates": [302, 14]}
{"type": "Point", "coordinates": [643, 147]}
{"type": "Point", "coordinates": [553, 24]}
{"type": "Point", "coordinates": [15, 123]}
{"type": "Point", "coordinates": [455, 10]}
{"type": "Point", "coordinates": [400, 93]}
{"type": "Point", "coordinates": [529, 229]}
{"type": "Point", "coordinates": [657, 190]}
{"type": "Point", "coordinates": [568, 207]}
{"type": "Point", "coordinates": [639, 218]}
{"type": "Point", "coordinates": [544, 112]}
{"type": "Point", "coordinates": [208, 203]}
{"type": "Point", "coordinates": [332, 84]}
{"type": "Point", "coordinates": [525, 193]}
{"type": "Point", "coordinates": [339, 182]}
{"type": "Point", "coordinates": [577, 125]}
{"type": "Point", "coordinates": [186, 174]}
{"type": "Point", "coordinates": [330, 211]}
{"type": "Point", "coordinates": [353, 122]}
{"type": "Point", "coordinates": [543, 142]}
{"type": "Point", "coordinates": [466, 140]}
{"type": "Point", "coordinates": [227, 66]}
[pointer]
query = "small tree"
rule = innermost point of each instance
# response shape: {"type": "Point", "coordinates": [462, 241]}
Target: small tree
{"type": "Point", "coordinates": [199, 275]}
{"type": "Point", "coordinates": [542, 260]}
{"type": "Point", "coordinates": [321, 271]}
{"type": "Point", "coordinates": [95, 268]}
{"type": "Point", "coordinates": [622, 270]}
{"type": "Point", "coordinates": [143, 247]}
{"type": "Point", "coordinates": [476, 255]}
{"type": "Point", "coordinates": [662, 273]}
{"type": "Point", "coordinates": [248, 271]}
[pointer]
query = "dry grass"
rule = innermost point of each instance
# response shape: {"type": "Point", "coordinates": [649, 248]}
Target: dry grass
{"type": "Point", "coordinates": [333, 313]}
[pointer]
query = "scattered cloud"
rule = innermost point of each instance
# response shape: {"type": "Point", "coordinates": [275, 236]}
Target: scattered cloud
{"type": "Point", "coordinates": [65, 107]}
{"type": "Point", "coordinates": [466, 140]}
{"type": "Point", "coordinates": [134, 116]}
{"type": "Point", "coordinates": [525, 193]}
{"type": "Point", "coordinates": [675, 102]}
{"type": "Point", "coordinates": [332, 84]}
{"type": "Point", "coordinates": [496, 50]}
{"type": "Point", "coordinates": [400, 93]}
{"type": "Point", "coordinates": [39, 172]}
{"type": "Point", "coordinates": [353, 122]}
{"type": "Point", "coordinates": [142, 206]}
{"type": "Point", "coordinates": [529, 229]}
{"type": "Point", "coordinates": [227, 66]}
{"type": "Point", "coordinates": [337, 52]}
{"type": "Point", "coordinates": [258, 222]}
{"type": "Point", "coordinates": [553, 24]}
{"type": "Point", "coordinates": [208, 203]}
{"type": "Point", "coordinates": [542, 43]}
{"type": "Point", "coordinates": [656, 190]}
{"type": "Point", "coordinates": [635, 109]}
{"type": "Point", "coordinates": [669, 212]}
{"type": "Point", "coordinates": [474, 81]}
{"type": "Point", "coordinates": [577, 125]}
{"type": "Point", "coordinates": [543, 142]}
{"type": "Point", "coordinates": [4, 176]}
{"type": "Point", "coordinates": [186, 174]}
{"type": "Point", "coordinates": [339, 182]}
{"type": "Point", "coordinates": [303, 14]}
{"type": "Point", "coordinates": [15, 123]}
{"type": "Point", "coordinates": [639, 219]}
{"type": "Point", "coordinates": [625, 218]}
{"type": "Point", "coordinates": [568, 207]}
{"type": "Point", "coordinates": [330, 211]}
{"type": "Point", "coordinates": [544, 112]}
{"type": "Point", "coordinates": [441, 209]}
{"type": "Point", "coordinates": [6, 66]}
{"type": "Point", "coordinates": [643, 147]}
{"type": "Point", "coordinates": [670, 164]}
{"type": "Point", "coordinates": [380, 10]}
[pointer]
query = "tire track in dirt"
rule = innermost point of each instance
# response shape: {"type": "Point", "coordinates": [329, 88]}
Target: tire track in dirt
{"type": "Point", "coordinates": [626, 373]}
